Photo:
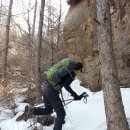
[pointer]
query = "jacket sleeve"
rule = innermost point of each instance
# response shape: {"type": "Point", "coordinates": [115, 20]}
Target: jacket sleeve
{"type": "Point", "coordinates": [67, 80]}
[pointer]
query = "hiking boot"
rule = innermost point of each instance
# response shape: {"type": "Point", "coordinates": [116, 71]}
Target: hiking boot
{"type": "Point", "coordinates": [28, 112]}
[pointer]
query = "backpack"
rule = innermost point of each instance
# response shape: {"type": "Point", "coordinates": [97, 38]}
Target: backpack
{"type": "Point", "coordinates": [59, 70]}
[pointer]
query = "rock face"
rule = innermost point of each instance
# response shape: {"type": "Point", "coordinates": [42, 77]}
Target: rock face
{"type": "Point", "coordinates": [80, 38]}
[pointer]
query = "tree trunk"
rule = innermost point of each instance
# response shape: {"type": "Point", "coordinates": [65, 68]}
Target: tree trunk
{"type": "Point", "coordinates": [34, 19]}
{"type": "Point", "coordinates": [52, 44]}
{"type": "Point", "coordinates": [115, 115]}
{"type": "Point", "coordinates": [58, 30]}
{"type": "Point", "coordinates": [29, 47]}
{"type": "Point", "coordinates": [32, 38]}
{"type": "Point", "coordinates": [0, 10]}
{"type": "Point", "coordinates": [50, 29]}
{"type": "Point", "coordinates": [5, 52]}
{"type": "Point", "coordinates": [29, 64]}
{"type": "Point", "coordinates": [38, 52]}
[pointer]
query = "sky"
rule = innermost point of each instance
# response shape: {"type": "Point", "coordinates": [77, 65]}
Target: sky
{"type": "Point", "coordinates": [20, 7]}
{"type": "Point", "coordinates": [79, 116]}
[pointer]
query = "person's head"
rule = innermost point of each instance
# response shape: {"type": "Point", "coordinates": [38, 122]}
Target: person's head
{"type": "Point", "coordinates": [78, 67]}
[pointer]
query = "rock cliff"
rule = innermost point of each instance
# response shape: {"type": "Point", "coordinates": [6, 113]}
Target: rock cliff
{"type": "Point", "coordinates": [80, 39]}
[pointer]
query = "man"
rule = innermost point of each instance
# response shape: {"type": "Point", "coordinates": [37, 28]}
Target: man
{"type": "Point", "coordinates": [59, 75]}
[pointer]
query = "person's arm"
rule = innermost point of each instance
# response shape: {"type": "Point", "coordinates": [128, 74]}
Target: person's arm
{"type": "Point", "coordinates": [69, 89]}
{"type": "Point", "coordinates": [67, 80]}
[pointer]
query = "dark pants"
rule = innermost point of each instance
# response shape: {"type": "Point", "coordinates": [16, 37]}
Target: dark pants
{"type": "Point", "coordinates": [52, 101]}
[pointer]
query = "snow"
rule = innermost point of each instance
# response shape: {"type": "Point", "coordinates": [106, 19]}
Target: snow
{"type": "Point", "coordinates": [79, 116]}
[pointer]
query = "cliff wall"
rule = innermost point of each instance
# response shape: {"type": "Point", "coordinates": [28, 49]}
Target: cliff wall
{"type": "Point", "coordinates": [81, 44]}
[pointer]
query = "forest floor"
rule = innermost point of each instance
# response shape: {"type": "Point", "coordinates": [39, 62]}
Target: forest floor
{"type": "Point", "coordinates": [79, 116]}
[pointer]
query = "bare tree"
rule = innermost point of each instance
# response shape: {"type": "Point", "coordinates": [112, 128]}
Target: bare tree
{"type": "Point", "coordinates": [31, 63]}
{"type": "Point", "coordinates": [29, 41]}
{"type": "Point", "coordinates": [32, 37]}
{"type": "Point", "coordinates": [38, 51]}
{"type": "Point", "coordinates": [0, 10]}
{"type": "Point", "coordinates": [52, 45]}
{"type": "Point", "coordinates": [50, 28]}
{"type": "Point", "coordinates": [115, 115]}
{"type": "Point", "coordinates": [5, 52]}
{"type": "Point", "coordinates": [34, 19]}
{"type": "Point", "coordinates": [58, 29]}
{"type": "Point", "coordinates": [54, 29]}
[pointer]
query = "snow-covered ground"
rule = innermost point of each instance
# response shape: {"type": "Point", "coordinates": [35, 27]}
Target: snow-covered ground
{"type": "Point", "coordinates": [79, 116]}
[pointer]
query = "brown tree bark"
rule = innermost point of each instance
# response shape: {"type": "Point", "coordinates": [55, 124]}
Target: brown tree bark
{"type": "Point", "coordinates": [38, 52]}
{"type": "Point", "coordinates": [115, 115]}
{"type": "Point", "coordinates": [5, 52]}
{"type": "Point", "coordinates": [34, 19]}
{"type": "Point", "coordinates": [50, 29]}
{"type": "Point", "coordinates": [0, 10]}
{"type": "Point", "coordinates": [120, 6]}
{"type": "Point", "coordinates": [58, 30]}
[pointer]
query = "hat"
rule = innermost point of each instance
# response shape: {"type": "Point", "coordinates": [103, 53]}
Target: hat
{"type": "Point", "coordinates": [78, 66]}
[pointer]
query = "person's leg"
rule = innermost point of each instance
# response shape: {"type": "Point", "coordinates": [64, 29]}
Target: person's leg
{"type": "Point", "coordinates": [56, 103]}
{"type": "Point", "coordinates": [60, 119]}
{"type": "Point", "coordinates": [43, 111]}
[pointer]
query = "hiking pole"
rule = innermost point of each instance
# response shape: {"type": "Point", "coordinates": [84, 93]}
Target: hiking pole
{"type": "Point", "coordinates": [70, 100]}
{"type": "Point", "coordinates": [84, 95]}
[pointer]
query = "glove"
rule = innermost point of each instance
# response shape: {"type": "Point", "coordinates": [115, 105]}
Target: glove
{"type": "Point", "coordinates": [76, 97]}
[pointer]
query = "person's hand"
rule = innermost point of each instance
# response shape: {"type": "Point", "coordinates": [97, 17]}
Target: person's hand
{"type": "Point", "coordinates": [77, 97]}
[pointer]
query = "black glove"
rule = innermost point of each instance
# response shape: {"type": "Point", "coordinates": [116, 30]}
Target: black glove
{"type": "Point", "coordinates": [76, 97]}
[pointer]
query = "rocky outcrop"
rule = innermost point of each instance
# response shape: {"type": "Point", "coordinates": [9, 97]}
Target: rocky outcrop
{"type": "Point", "coordinates": [80, 39]}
